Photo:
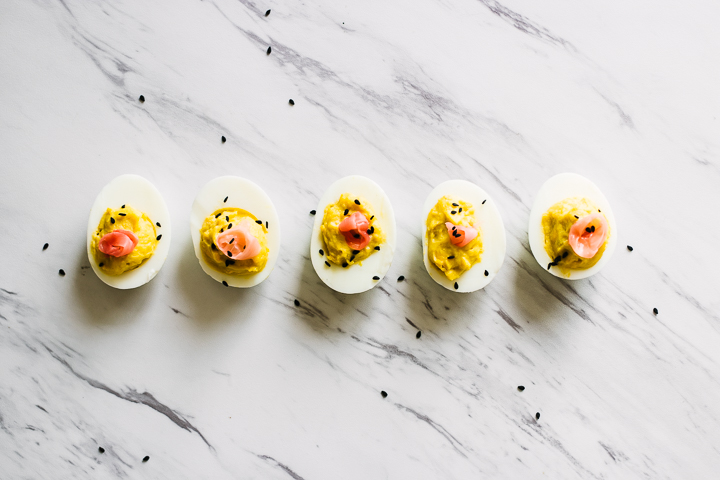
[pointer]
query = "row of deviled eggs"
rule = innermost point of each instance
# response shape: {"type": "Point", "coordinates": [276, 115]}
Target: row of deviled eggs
{"type": "Point", "coordinates": [236, 232]}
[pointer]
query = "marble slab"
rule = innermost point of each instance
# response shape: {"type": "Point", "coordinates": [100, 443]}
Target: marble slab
{"type": "Point", "coordinates": [211, 382]}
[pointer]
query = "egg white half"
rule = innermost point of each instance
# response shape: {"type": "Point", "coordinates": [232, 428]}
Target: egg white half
{"type": "Point", "coordinates": [142, 195]}
{"type": "Point", "coordinates": [555, 189]}
{"type": "Point", "coordinates": [244, 194]}
{"type": "Point", "coordinates": [355, 278]}
{"type": "Point", "coordinates": [492, 229]}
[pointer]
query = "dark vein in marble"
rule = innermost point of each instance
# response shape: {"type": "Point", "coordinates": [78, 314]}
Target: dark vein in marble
{"type": "Point", "coordinates": [454, 442]}
{"type": "Point", "coordinates": [523, 24]}
{"type": "Point", "coordinates": [287, 469]}
{"type": "Point", "coordinates": [133, 396]}
{"type": "Point", "coordinates": [508, 319]}
{"type": "Point", "coordinates": [393, 351]}
{"type": "Point", "coordinates": [626, 119]}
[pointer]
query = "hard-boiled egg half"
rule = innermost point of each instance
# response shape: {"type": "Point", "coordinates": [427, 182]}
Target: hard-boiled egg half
{"type": "Point", "coordinates": [463, 236]}
{"type": "Point", "coordinates": [235, 231]}
{"type": "Point", "coordinates": [353, 237]}
{"type": "Point", "coordinates": [572, 229]}
{"type": "Point", "coordinates": [128, 235]}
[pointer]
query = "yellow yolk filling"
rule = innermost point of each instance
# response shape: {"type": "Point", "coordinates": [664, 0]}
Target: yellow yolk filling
{"type": "Point", "coordinates": [224, 219]}
{"type": "Point", "coordinates": [134, 221]}
{"type": "Point", "coordinates": [336, 248]}
{"type": "Point", "coordinates": [556, 223]}
{"type": "Point", "coordinates": [440, 249]}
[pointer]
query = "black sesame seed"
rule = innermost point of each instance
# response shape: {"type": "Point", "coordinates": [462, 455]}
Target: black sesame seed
{"type": "Point", "coordinates": [213, 246]}
{"type": "Point", "coordinates": [383, 393]}
{"type": "Point", "coordinates": [45, 247]}
{"type": "Point", "coordinates": [483, 202]}
{"type": "Point", "coordinates": [259, 222]}
{"type": "Point", "coordinates": [112, 220]}
{"type": "Point", "coordinates": [357, 202]}
{"type": "Point", "coordinates": [456, 285]}
{"type": "Point", "coordinates": [453, 212]}
{"type": "Point", "coordinates": [372, 229]}
{"type": "Point", "coordinates": [218, 215]}
{"type": "Point", "coordinates": [357, 235]}
{"type": "Point", "coordinates": [229, 226]}
{"type": "Point", "coordinates": [487, 273]}
{"type": "Point", "coordinates": [455, 205]}
{"type": "Point", "coordinates": [227, 218]}
{"type": "Point", "coordinates": [628, 247]}
{"type": "Point", "coordinates": [291, 101]}
{"type": "Point", "coordinates": [327, 263]}
{"type": "Point", "coordinates": [146, 458]}
{"type": "Point", "coordinates": [401, 278]}
{"type": "Point", "coordinates": [599, 210]}
{"type": "Point", "coordinates": [123, 206]}
{"type": "Point", "coordinates": [376, 277]}
{"type": "Point", "coordinates": [267, 225]}
{"type": "Point", "coordinates": [61, 272]}
{"type": "Point", "coordinates": [344, 264]}
{"type": "Point", "coordinates": [655, 310]}
{"type": "Point", "coordinates": [223, 139]}
{"type": "Point", "coordinates": [122, 214]}
{"type": "Point", "coordinates": [297, 302]}
{"type": "Point", "coordinates": [537, 416]}
{"type": "Point", "coordinates": [269, 50]}
{"type": "Point", "coordinates": [454, 228]}
{"type": "Point", "coordinates": [267, 13]}
{"type": "Point", "coordinates": [231, 240]}
{"type": "Point", "coordinates": [372, 217]}
{"type": "Point", "coordinates": [556, 259]}
{"type": "Point", "coordinates": [550, 265]}
{"type": "Point", "coordinates": [587, 229]}
{"type": "Point", "coordinates": [355, 252]}
{"type": "Point", "coordinates": [592, 229]}
{"type": "Point", "coordinates": [142, 98]}
{"type": "Point", "coordinates": [101, 450]}
{"type": "Point", "coordinates": [460, 209]}
{"type": "Point", "coordinates": [225, 283]}
{"type": "Point", "coordinates": [565, 254]}
{"type": "Point", "coordinates": [158, 237]}
{"type": "Point", "coordinates": [418, 334]}
{"type": "Point", "coordinates": [226, 199]}
{"type": "Point", "coordinates": [451, 257]}
{"type": "Point", "coordinates": [321, 252]}
{"type": "Point", "coordinates": [229, 253]}
{"type": "Point", "coordinates": [377, 248]}
{"type": "Point", "coordinates": [369, 232]}
{"type": "Point", "coordinates": [158, 224]}
{"type": "Point", "coordinates": [227, 263]}
{"type": "Point", "coordinates": [312, 212]}
{"type": "Point", "coordinates": [102, 264]}
{"type": "Point", "coordinates": [352, 258]}
{"type": "Point", "coordinates": [222, 229]}
{"type": "Point", "coordinates": [346, 211]}
{"type": "Point", "coordinates": [576, 216]}
{"type": "Point", "coordinates": [521, 388]}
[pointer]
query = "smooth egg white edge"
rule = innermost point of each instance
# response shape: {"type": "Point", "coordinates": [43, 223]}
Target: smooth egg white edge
{"type": "Point", "coordinates": [556, 189]}
{"type": "Point", "coordinates": [355, 278]}
{"type": "Point", "coordinates": [137, 192]}
{"type": "Point", "coordinates": [492, 229]}
{"type": "Point", "coordinates": [244, 194]}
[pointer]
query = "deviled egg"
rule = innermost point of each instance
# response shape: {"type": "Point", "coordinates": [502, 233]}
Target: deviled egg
{"type": "Point", "coordinates": [572, 230]}
{"type": "Point", "coordinates": [463, 236]}
{"type": "Point", "coordinates": [235, 231]}
{"type": "Point", "coordinates": [128, 235]}
{"type": "Point", "coordinates": [353, 237]}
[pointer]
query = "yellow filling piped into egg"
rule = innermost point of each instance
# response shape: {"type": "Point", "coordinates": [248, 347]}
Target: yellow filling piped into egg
{"type": "Point", "coordinates": [224, 219]}
{"type": "Point", "coordinates": [451, 259]}
{"type": "Point", "coordinates": [125, 218]}
{"type": "Point", "coordinates": [556, 224]}
{"type": "Point", "coordinates": [337, 249]}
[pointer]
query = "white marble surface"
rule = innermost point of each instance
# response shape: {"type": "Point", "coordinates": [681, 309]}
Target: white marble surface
{"type": "Point", "coordinates": [218, 383]}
